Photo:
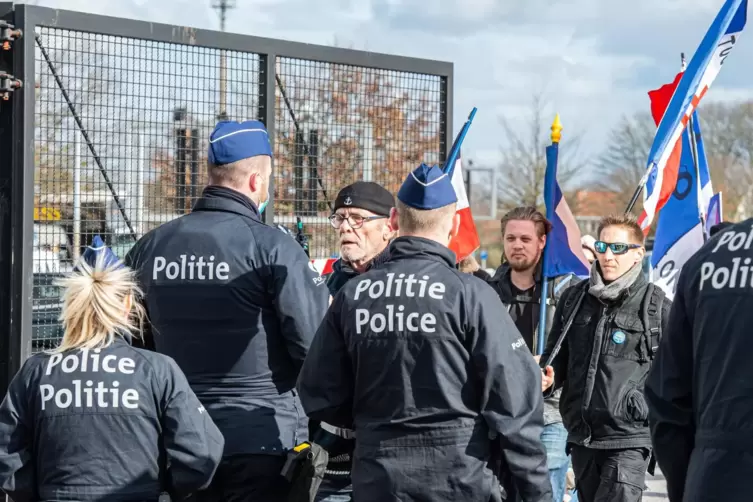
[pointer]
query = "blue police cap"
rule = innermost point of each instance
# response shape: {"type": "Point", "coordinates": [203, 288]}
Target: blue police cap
{"type": "Point", "coordinates": [427, 187]}
{"type": "Point", "coordinates": [231, 141]}
{"type": "Point", "coordinates": [97, 249]}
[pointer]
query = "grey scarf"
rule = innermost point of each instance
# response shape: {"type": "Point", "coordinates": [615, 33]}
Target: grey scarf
{"type": "Point", "coordinates": [613, 290]}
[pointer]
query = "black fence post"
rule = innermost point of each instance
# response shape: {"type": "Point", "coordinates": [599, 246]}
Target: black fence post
{"type": "Point", "coordinates": [299, 157]}
{"type": "Point", "coordinates": [16, 189]}
{"type": "Point", "coordinates": [267, 111]}
{"type": "Point", "coordinates": [313, 162]}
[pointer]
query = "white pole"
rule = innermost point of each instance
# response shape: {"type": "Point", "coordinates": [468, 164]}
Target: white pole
{"type": "Point", "coordinates": [141, 160]}
{"type": "Point", "coordinates": [76, 197]}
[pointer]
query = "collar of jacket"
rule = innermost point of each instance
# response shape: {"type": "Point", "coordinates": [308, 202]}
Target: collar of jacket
{"type": "Point", "coordinates": [345, 267]}
{"type": "Point", "coordinates": [502, 277]}
{"type": "Point", "coordinates": [419, 247]}
{"type": "Point", "coordinates": [228, 201]}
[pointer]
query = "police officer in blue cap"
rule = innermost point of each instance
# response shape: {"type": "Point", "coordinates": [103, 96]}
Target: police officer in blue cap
{"type": "Point", "coordinates": [428, 369]}
{"type": "Point", "coordinates": [96, 418]}
{"type": "Point", "coordinates": [236, 303]}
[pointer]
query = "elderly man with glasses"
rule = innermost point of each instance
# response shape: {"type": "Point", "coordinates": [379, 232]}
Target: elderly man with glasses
{"type": "Point", "coordinates": [361, 219]}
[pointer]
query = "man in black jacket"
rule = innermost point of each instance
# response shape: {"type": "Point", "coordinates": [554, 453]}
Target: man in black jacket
{"type": "Point", "coordinates": [361, 218]}
{"type": "Point", "coordinates": [611, 325]}
{"type": "Point", "coordinates": [518, 284]}
{"type": "Point", "coordinates": [700, 390]}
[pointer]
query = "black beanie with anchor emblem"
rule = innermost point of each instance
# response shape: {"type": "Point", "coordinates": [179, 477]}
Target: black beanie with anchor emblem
{"type": "Point", "coordinates": [366, 195]}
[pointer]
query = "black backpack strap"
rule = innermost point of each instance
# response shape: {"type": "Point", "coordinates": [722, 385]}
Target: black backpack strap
{"type": "Point", "coordinates": [573, 300]}
{"type": "Point", "coordinates": [652, 318]}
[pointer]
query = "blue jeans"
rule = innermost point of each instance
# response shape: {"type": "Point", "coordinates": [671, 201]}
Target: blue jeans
{"type": "Point", "coordinates": [554, 438]}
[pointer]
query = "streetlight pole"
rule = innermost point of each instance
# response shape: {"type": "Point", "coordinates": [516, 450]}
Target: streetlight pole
{"type": "Point", "coordinates": [222, 6]}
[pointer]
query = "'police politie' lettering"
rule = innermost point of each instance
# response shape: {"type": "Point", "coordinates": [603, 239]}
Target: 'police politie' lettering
{"type": "Point", "coordinates": [190, 268]}
{"type": "Point", "coordinates": [739, 273]}
{"type": "Point", "coordinates": [84, 392]}
{"type": "Point", "coordinates": [395, 318]}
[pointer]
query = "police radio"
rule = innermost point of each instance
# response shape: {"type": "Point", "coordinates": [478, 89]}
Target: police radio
{"type": "Point", "coordinates": [300, 237]}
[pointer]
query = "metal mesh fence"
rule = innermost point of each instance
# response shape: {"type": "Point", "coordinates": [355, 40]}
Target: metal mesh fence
{"type": "Point", "coordinates": [121, 132]}
{"type": "Point", "coordinates": [336, 124]}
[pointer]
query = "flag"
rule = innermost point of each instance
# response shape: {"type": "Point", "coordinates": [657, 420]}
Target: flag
{"type": "Point", "coordinates": [679, 232]}
{"type": "Point", "coordinates": [694, 83]}
{"type": "Point", "coordinates": [563, 253]}
{"type": "Point", "coordinates": [714, 216]}
{"type": "Point", "coordinates": [466, 242]}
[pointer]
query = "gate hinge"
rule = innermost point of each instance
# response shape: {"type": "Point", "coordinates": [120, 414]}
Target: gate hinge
{"type": "Point", "coordinates": [8, 84]}
{"type": "Point", "coordinates": [8, 34]}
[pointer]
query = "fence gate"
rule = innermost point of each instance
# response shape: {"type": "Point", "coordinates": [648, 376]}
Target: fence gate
{"type": "Point", "coordinates": [104, 125]}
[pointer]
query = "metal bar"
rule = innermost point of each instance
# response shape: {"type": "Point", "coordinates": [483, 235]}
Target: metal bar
{"type": "Point", "coordinates": [299, 130]}
{"type": "Point", "coordinates": [447, 115]}
{"type": "Point", "coordinates": [267, 116]}
{"type": "Point", "coordinates": [76, 197]}
{"type": "Point", "coordinates": [117, 27]}
{"type": "Point", "coordinates": [85, 134]}
{"type": "Point", "coordinates": [140, 167]}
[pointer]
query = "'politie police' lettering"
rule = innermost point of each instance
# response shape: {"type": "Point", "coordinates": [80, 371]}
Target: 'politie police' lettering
{"type": "Point", "coordinates": [737, 274]}
{"type": "Point", "coordinates": [395, 318]}
{"type": "Point", "coordinates": [90, 392]}
{"type": "Point", "coordinates": [190, 268]}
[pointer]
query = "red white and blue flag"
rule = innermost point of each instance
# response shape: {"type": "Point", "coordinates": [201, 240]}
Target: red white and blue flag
{"type": "Point", "coordinates": [679, 232]}
{"type": "Point", "coordinates": [466, 242]}
{"type": "Point", "coordinates": [564, 251]}
{"type": "Point", "coordinates": [703, 69]}
{"type": "Point", "coordinates": [715, 214]}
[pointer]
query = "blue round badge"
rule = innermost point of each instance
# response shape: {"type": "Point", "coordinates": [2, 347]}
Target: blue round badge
{"type": "Point", "coordinates": [618, 337]}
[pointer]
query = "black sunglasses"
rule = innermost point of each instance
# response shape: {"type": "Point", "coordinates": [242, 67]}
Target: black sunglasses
{"type": "Point", "coordinates": [616, 247]}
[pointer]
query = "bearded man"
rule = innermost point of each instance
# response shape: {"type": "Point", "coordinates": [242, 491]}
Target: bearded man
{"type": "Point", "coordinates": [518, 284]}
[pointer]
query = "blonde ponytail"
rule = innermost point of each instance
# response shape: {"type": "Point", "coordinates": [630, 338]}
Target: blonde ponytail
{"type": "Point", "coordinates": [95, 305]}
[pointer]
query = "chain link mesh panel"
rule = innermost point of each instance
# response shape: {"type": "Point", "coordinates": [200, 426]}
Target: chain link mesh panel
{"type": "Point", "coordinates": [336, 124]}
{"type": "Point", "coordinates": [121, 132]}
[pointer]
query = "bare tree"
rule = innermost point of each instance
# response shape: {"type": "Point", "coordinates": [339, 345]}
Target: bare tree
{"type": "Point", "coordinates": [727, 133]}
{"type": "Point", "coordinates": [523, 166]}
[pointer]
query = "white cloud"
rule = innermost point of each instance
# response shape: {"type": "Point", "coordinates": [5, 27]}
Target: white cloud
{"type": "Point", "coordinates": [595, 60]}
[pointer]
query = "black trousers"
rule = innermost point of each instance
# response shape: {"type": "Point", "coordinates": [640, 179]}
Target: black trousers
{"type": "Point", "coordinates": [247, 478]}
{"type": "Point", "coordinates": [610, 475]}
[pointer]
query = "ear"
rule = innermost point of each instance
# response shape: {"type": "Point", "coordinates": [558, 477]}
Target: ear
{"type": "Point", "coordinates": [639, 254]}
{"type": "Point", "coordinates": [254, 182]}
{"type": "Point", "coordinates": [542, 241]}
{"type": "Point", "coordinates": [128, 304]}
{"type": "Point", "coordinates": [393, 223]}
{"type": "Point", "coordinates": [455, 226]}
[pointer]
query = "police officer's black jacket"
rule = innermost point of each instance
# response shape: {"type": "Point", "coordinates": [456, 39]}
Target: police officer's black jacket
{"type": "Point", "coordinates": [424, 364]}
{"type": "Point", "coordinates": [700, 388]}
{"type": "Point", "coordinates": [602, 366]}
{"type": "Point", "coordinates": [241, 328]}
{"type": "Point", "coordinates": [342, 272]}
{"type": "Point", "coordinates": [112, 424]}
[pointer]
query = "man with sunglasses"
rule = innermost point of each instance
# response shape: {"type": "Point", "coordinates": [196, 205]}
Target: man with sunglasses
{"type": "Point", "coordinates": [605, 334]}
{"type": "Point", "coordinates": [361, 218]}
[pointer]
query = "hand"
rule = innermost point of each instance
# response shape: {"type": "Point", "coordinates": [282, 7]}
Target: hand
{"type": "Point", "coordinates": [547, 378]}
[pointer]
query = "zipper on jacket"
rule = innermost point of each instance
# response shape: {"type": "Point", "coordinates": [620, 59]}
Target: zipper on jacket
{"type": "Point", "coordinates": [599, 324]}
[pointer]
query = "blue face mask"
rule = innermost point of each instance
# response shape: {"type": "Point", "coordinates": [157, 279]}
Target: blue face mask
{"type": "Point", "coordinates": [263, 205]}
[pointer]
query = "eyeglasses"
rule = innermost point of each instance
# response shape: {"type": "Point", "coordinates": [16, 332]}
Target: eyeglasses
{"type": "Point", "coordinates": [354, 220]}
{"type": "Point", "coordinates": [616, 247]}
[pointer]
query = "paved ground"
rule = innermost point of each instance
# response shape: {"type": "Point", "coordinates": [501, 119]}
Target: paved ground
{"type": "Point", "coordinates": [657, 488]}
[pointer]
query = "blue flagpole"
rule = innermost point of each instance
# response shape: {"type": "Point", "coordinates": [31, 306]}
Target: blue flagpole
{"type": "Point", "coordinates": [549, 189]}
{"type": "Point", "coordinates": [452, 156]}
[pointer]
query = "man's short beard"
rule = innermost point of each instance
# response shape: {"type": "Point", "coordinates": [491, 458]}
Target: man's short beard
{"type": "Point", "coordinates": [524, 266]}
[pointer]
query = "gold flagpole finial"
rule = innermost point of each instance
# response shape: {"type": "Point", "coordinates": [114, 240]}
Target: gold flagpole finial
{"type": "Point", "coordinates": [556, 129]}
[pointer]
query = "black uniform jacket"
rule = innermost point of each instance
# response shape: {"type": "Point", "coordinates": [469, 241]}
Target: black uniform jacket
{"type": "Point", "coordinates": [236, 303]}
{"type": "Point", "coordinates": [110, 425]}
{"type": "Point", "coordinates": [431, 373]}
{"type": "Point", "coordinates": [700, 388]}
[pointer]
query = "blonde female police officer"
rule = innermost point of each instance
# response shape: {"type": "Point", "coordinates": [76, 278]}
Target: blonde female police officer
{"type": "Point", "coordinates": [97, 419]}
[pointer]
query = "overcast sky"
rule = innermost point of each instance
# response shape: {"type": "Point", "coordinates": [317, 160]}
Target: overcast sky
{"type": "Point", "coordinates": [594, 60]}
